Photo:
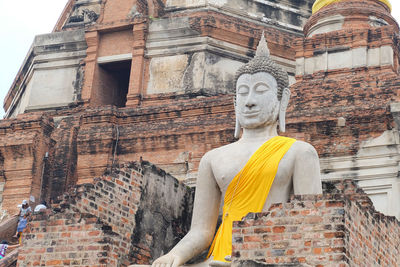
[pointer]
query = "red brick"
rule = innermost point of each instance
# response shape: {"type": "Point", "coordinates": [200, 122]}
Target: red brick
{"type": "Point", "coordinates": [278, 229]}
{"type": "Point", "coordinates": [317, 250]}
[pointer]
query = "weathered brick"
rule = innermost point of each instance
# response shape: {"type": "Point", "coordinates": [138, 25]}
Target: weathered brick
{"type": "Point", "coordinates": [78, 234]}
{"type": "Point", "coordinates": [353, 238]}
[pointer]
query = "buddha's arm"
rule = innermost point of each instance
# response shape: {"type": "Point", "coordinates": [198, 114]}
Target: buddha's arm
{"type": "Point", "coordinates": [204, 220]}
{"type": "Point", "coordinates": [306, 173]}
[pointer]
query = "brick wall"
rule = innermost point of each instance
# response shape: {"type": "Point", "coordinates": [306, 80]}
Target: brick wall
{"type": "Point", "coordinates": [24, 143]}
{"type": "Point", "coordinates": [83, 142]}
{"type": "Point", "coordinates": [243, 32]}
{"type": "Point", "coordinates": [174, 135]}
{"type": "Point", "coordinates": [338, 228]}
{"type": "Point", "coordinates": [353, 88]}
{"type": "Point", "coordinates": [366, 112]}
{"type": "Point", "coordinates": [360, 95]}
{"type": "Point", "coordinates": [372, 239]}
{"type": "Point", "coordinates": [99, 224]}
{"type": "Point", "coordinates": [60, 168]}
{"type": "Point", "coordinates": [164, 214]}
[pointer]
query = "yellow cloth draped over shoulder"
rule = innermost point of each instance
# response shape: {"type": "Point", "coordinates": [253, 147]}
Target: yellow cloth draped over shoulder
{"type": "Point", "coordinates": [248, 191]}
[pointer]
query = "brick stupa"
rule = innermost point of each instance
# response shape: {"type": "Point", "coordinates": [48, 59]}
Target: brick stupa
{"type": "Point", "coordinates": [135, 81]}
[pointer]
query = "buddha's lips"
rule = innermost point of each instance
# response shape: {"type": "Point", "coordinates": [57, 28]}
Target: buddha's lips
{"type": "Point", "coordinates": [250, 114]}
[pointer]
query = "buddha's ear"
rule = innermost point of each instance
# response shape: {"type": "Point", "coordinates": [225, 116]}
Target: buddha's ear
{"type": "Point", "coordinates": [282, 109]}
{"type": "Point", "coordinates": [237, 124]}
{"type": "Point", "coordinates": [237, 128]}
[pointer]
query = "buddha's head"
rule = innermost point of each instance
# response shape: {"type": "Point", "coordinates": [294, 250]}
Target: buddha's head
{"type": "Point", "coordinates": [262, 95]}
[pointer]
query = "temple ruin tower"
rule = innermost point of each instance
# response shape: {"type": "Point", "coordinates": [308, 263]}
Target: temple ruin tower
{"type": "Point", "coordinates": [110, 114]}
{"type": "Point", "coordinates": [120, 81]}
{"type": "Point", "coordinates": [346, 95]}
{"type": "Point", "coordinates": [124, 80]}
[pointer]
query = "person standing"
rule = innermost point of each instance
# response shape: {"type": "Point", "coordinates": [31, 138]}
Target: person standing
{"type": "Point", "coordinates": [24, 212]}
{"type": "Point", "coordinates": [25, 209]}
{"type": "Point", "coordinates": [21, 227]}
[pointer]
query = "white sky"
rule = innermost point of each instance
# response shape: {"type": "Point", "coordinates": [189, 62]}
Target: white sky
{"type": "Point", "coordinates": [21, 20]}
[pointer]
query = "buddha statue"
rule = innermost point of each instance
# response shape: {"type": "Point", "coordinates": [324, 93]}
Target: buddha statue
{"type": "Point", "coordinates": [249, 175]}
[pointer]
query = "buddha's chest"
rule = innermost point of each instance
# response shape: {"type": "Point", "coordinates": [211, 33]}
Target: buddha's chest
{"type": "Point", "coordinates": [225, 169]}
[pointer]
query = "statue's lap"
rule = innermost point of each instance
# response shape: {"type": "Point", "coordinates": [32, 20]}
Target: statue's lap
{"type": "Point", "coordinates": [201, 264]}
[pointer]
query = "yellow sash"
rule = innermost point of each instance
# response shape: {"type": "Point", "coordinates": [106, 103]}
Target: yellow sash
{"type": "Point", "coordinates": [248, 191]}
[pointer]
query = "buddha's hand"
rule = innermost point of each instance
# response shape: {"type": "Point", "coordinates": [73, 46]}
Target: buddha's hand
{"type": "Point", "coordinates": [168, 260]}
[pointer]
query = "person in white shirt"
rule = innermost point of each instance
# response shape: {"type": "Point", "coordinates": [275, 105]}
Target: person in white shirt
{"type": "Point", "coordinates": [40, 207]}
{"type": "Point", "coordinates": [24, 209]}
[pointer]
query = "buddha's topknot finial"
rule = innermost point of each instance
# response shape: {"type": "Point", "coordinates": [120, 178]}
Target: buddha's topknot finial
{"type": "Point", "coordinates": [262, 48]}
{"type": "Point", "coordinates": [262, 62]}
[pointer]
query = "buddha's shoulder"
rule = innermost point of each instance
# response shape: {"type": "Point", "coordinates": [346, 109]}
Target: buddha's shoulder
{"type": "Point", "coordinates": [222, 151]}
{"type": "Point", "coordinates": [302, 149]}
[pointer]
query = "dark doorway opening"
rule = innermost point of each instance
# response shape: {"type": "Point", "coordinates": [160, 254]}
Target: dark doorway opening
{"type": "Point", "coordinates": [114, 82]}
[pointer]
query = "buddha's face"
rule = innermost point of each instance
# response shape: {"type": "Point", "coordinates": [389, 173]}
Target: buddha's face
{"type": "Point", "coordinates": [257, 103]}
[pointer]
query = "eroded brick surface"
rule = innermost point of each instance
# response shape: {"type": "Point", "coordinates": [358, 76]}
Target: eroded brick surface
{"type": "Point", "coordinates": [24, 143]}
{"type": "Point", "coordinates": [338, 228]}
{"type": "Point", "coordinates": [107, 223]}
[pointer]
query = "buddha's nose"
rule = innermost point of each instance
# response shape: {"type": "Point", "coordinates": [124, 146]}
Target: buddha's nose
{"type": "Point", "coordinates": [250, 105]}
{"type": "Point", "coordinates": [251, 100]}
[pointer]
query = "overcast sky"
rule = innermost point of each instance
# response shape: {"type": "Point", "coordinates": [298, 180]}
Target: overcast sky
{"type": "Point", "coordinates": [21, 20]}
